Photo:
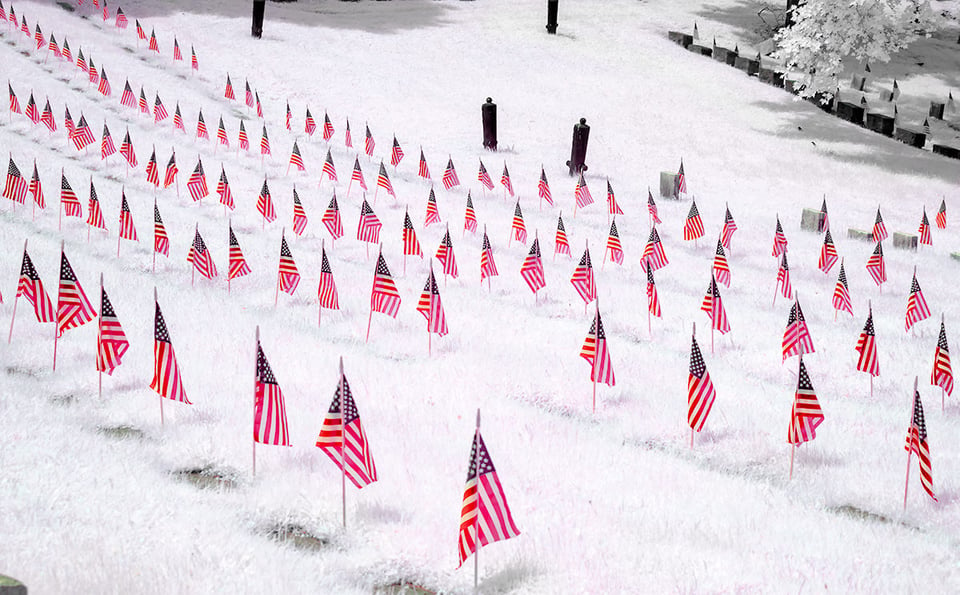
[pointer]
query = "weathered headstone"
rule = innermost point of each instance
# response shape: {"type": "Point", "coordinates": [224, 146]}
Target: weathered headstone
{"type": "Point", "coordinates": [850, 112]}
{"type": "Point", "coordinates": [488, 115]}
{"type": "Point", "coordinates": [668, 184]}
{"type": "Point", "coordinates": [914, 138]}
{"type": "Point", "coordinates": [771, 77]}
{"type": "Point", "coordinates": [858, 82]}
{"type": "Point", "coordinates": [680, 38]}
{"type": "Point", "coordinates": [11, 586]}
{"type": "Point", "coordinates": [793, 86]}
{"type": "Point", "coordinates": [886, 95]}
{"type": "Point", "coordinates": [936, 110]}
{"type": "Point", "coordinates": [578, 147]}
{"type": "Point", "coordinates": [880, 123]}
{"type": "Point", "coordinates": [811, 220]}
{"type": "Point", "coordinates": [859, 234]}
{"type": "Point", "coordinates": [904, 241]}
{"type": "Point", "coordinates": [747, 64]}
{"type": "Point", "coordinates": [700, 49]}
{"type": "Point", "coordinates": [947, 151]}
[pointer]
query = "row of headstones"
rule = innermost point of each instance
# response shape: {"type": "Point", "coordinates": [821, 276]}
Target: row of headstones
{"type": "Point", "coordinates": [852, 112]}
{"type": "Point", "coordinates": [813, 220]}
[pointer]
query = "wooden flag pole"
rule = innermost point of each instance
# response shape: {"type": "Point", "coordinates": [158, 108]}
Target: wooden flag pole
{"type": "Point", "coordinates": [476, 519]}
{"type": "Point", "coordinates": [100, 339]}
{"type": "Point", "coordinates": [256, 363]}
{"type": "Point", "coordinates": [56, 327]}
{"type": "Point", "coordinates": [343, 449]}
{"type": "Point", "coordinates": [913, 407]}
{"type": "Point", "coordinates": [694, 334]}
{"type": "Point", "coordinates": [15, 300]}
{"type": "Point", "coordinates": [159, 395]}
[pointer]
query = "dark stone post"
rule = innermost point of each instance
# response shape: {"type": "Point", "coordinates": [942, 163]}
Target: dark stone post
{"type": "Point", "coordinates": [488, 111]}
{"type": "Point", "coordinates": [258, 7]}
{"type": "Point", "coordinates": [552, 6]}
{"type": "Point", "coordinates": [578, 150]}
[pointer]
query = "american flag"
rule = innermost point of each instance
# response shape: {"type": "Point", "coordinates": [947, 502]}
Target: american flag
{"type": "Point", "coordinates": [411, 247]}
{"type": "Point", "coordinates": [153, 174]}
{"type": "Point", "coordinates": [223, 190]}
{"type": "Point", "coordinates": [348, 139]}
{"type": "Point", "coordinates": [532, 268]}
{"type": "Point", "coordinates": [47, 118]}
{"type": "Point", "coordinates": [197, 184]}
{"type": "Point", "coordinates": [16, 186]}
{"type": "Point", "coordinates": [824, 218]}
{"type": "Point", "coordinates": [721, 270]}
{"type": "Point", "coordinates": [327, 127]}
{"type": "Point", "coordinates": [177, 54]}
{"type": "Point", "coordinates": [142, 103]}
{"type": "Point", "coordinates": [73, 307]}
{"type": "Point", "coordinates": [194, 64]}
{"type": "Point", "coordinates": [368, 143]}
{"type": "Point", "coordinates": [368, 228]}
{"type": "Point", "coordinates": [713, 306]}
{"type": "Point", "coordinates": [942, 374]}
{"type": "Point", "coordinates": [36, 189]}
{"type": "Point", "coordinates": [693, 226]}
{"type": "Point", "coordinates": [505, 179]}
{"type": "Point", "coordinates": [296, 158]}
{"type": "Point", "coordinates": [357, 175]}
{"type": "Point", "coordinates": [31, 287]}
{"type": "Point", "coordinates": [249, 94]}
{"type": "Point", "coordinates": [308, 124]}
{"type": "Point", "coordinates": [796, 336]}
{"type": "Point", "coordinates": [653, 252]}
{"type": "Point", "coordinates": [595, 351]}
{"type": "Point", "coordinates": [222, 134]}
{"type": "Point", "coordinates": [583, 280]}
{"type": "Point", "coordinates": [700, 391]}
{"type": "Point", "coordinates": [396, 153]}
{"type": "Point", "coordinates": [343, 440]}
{"type": "Point", "coordinates": [331, 171]}
{"type": "Point", "coordinates": [228, 91]}
{"type": "Point", "coordinates": [828, 254]}
{"type": "Point", "coordinates": [446, 255]}
{"type": "Point", "coordinates": [384, 296]}
{"type": "Point", "coordinates": [484, 177]}
{"type": "Point", "coordinates": [331, 218]}
{"type": "Point", "coordinates": [779, 240]}
{"type": "Point", "coordinates": [92, 73]}
{"type": "Point", "coordinates": [170, 176]}
{"type": "Point", "coordinates": [879, 229]}
{"type": "Point", "coordinates": [39, 38]}
{"type": "Point", "coordinates": [14, 102]}
{"type": "Point", "coordinates": [289, 116]}
{"type": "Point", "coordinates": [924, 230]}
{"type": "Point", "coordinates": [653, 299]}
{"type": "Point", "coordinates": [269, 410]}
{"type": "Point", "coordinates": [264, 142]}
{"type": "Point", "coordinates": [24, 28]}
{"type": "Point", "coordinates": [917, 308]}
{"type": "Point", "coordinates": [166, 373]}
{"type": "Point", "coordinates": [111, 341]}
{"type": "Point", "coordinates": [104, 86]}
{"type": "Point", "coordinates": [613, 243]}
{"type": "Point", "coordinates": [424, 170]}
{"type": "Point", "coordinates": [242, 138]}
{"type": "Point", "coordinates": [652, 208]}
{"type": "Point", "coordinates": [917, 443]}
{"type": "Point", "coordinates": [265, 203]}
{"type": "Point", "coordinates": [783, 277]}
{"type": "Point", "coordinates": [470, 216]}
{"type": "Point", "coordinates": [82, 135]}
{"type": "Point", "coordinates": [256, 96]}
{"type": "Point", "coordinates": [66, 51]}
{"type": "Point", "coordinates": [289, 275]}
{"type": "Point", "coordinates": [202, 127]}
{"type": "Point", "coordinates": [126, 149]}
{"type": "Point", "coordinates": [53, 47]}
{"type": "Point", "coordinates": [612, 207]}
{"type": "Point", "coordinates": [484, 515]}
{"type": "Point", "coordinates": [518, 228]}
{"type": "Point", "coordinates": [432, 308]}
{"type": "Point", "coordinates": [327, 290]}
{"type": "Point", "coordinates": [681, 182]}
{"type": "Point", "coordinates": [140, 34]}
{"type": "Point", "coordinates": [488, 266]}
{"type": "Point", "coordinates": [201, 258]}
{"type": "Point", "coordinates": [299, 215]}
{"type": "Point", "coordinates": [433, 214]}
{"type": "Point", "coordinates": [450, 179]}
{"type": "Point", "coordinates": [561, 246]}
{"type": "Point", "coordinates": [582, 193]}
{"type": "Point", "coordinates": [32, 111]}
{"type": "Point", "coordinates": [127, 98]}
{"type": "Point", "coordinates": [68, 122]}
{"type": "Point", "coordinates": [806, 415]}
{"type": "Point", "coordinates": [867, 348]}
{"type": "Point", "coordinates": [68, 198]}
{"type": "Point", "coordinates": [127, 229]}
{"type": "Point", "coordinates": [154, 46]}
{"type": "Point", "coordinates": [876, 266]}
{"type": "Point", "coordinates": [121, 19]}
{"type": "Point", "coordinates": [238, 264]}
{"type": "Point", "coordinates": [106, 143]}
{"type": "Point", "coordinates": [543, 187]}
{"type": "Point", "coordinates": [942, 215]}
{"type": "Point", "coordinates": [94, 214]}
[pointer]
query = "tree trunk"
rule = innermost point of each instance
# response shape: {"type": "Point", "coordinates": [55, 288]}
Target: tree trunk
{"type": "Point", "coordinates": [791, 5]}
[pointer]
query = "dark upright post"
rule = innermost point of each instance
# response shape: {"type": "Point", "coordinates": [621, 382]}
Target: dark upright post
{"type": "Point", "coordinates": [552, 6]}
{"type": "Point", "coordinates": [258, 7]}
{"type": "Point", "coordinates": [489, 113]}
{"type": "Point", "coordinates": [578, 151]}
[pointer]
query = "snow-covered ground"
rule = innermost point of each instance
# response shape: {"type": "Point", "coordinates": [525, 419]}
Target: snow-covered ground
{"type": "Point", "coordinates": [611, 502]}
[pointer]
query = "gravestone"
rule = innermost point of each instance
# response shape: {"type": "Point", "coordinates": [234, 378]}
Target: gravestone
{"type": "Point", "coordinates": [824, 100]}
{"type": "Point", "coordinates": [947, 151]}
{"type": "Point", "coordinates": [749, 65]}
{"type": "Point", "coordinates": [771, 77]}
{"type": "Point", "coordinates": [720, 53]}
{"type": "Point", "coordinates": [793, 86]}
{"type": "Point", "coordinates": [880, 123]}
{"type": "Point", "coordinates": [858, 82]}
{"type": "Point", "coordinates": [11, 586]}
{"type": "Point", "coordinates": [904, 241]}
{"type": "Point", "coordinates": [936, 110]}
{"type": "Point", "coordinates": [859, 234]}
{"type": "Point", "coordinates": [668, 184]}
{"type": "Point", "coordinates": [851, 112]}
{"type": "Point", "coordinates": [914, 138]}
{"type": "Point", "coordinates": [680, 38]}
{"type": "Point", "coordinates": [811, 220]}
{"type": "Point", "coordinates": [700, 49]}
{"type": "Point", "coordinates": [886, 95]}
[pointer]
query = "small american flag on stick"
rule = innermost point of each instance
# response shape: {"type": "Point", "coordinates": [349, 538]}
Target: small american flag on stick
{"type": "Point", "coordinates": [700, 391]}
{"type": "Point", "coordinates": [561, 245]}
{"type": "Point", "coordinates": [299, 214]}
{"type": "Point", "coordinates": [796, 336]}
{"type": "Point", "coordinates": [432, 308]}
{"type": "Point", "coordinates": [200, 257]}
{"type": "Point", "coordinates": [917, 308]}
{"type": "Point", "coordinates": [342, 437]}
{"type": "Point", "coordinates": [411, 247]}
{"type": "Point", "coordinates": [806, 415]}
{"type": "Point", "coordinates": [469, 216]}
{"type": "Point", "coordinates": [433, 214]}
{"type": "Point", "coordinates": [942, 374]}
{"type": "Point", "coordinates": [166, 372]}
{"type": "Point", "coordinates": [867, 348]}
{"type": "Point", "coordinates": [532, 268]}
{"type": "Point", "coordinates": [368, 228]}
{"type": "Point", "coordinates": [269, 409]}
{"type": "Point", "coordinates": [331, 218]}
{"type": "Point", "coordinates": [238, 264]}
{"type": "Point", "coordinates": [917, 444]}
{"type": "Point", "coordinates": [484, 177]}
{"type": "Point", "coordinates": [879, 229]}
{"type": "Point", "coordinates": [327, 290]}
{"type": "Point", "coordinates": [543, 187]}
{"type": "Point", "coordinates": [31, 287]}
{"type": "Point", "coordinates": [288, 275]}
{"type": "Point", "coordinates": [594, 350]}
{"type": "Point", "coordinates": [450, 179]}
{"type": "Point", "coordinates": [112, 342]}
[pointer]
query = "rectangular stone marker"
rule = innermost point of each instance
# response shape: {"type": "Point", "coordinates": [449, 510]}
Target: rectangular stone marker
{"type": "Point", "coordinates": [700, 49]}
{"type": "Point", "coordinates": [936, 110]}
{"type": "Point", "coordinates": [793, 86]}
{"type": "Point", "coordinates": [811, 220]}
{"type": "Point", "coordinates": [748, 65]}
{"type": "Point", "coordinates": [886, 95]}
{"type": "Point", "coordinates": [851, 112]}
{"type": "Point", "coordinates": [947, 151]}
{"type": "Point", "coordinates": [680, 38]}
{"type": "Point", "coordinates": [720, 54]}
{"type": "Point", "coordinates": [880, 123]}
{"type": "Point", "coordinates": [771, 77]}
{"type": "Point", "coordinates": [858, 82]}
{"type": "Point", "coordinates": [912, 137]}
{"type": "Point", "coordinates": [859, 234]}
{"type": "Point", "coordinates": [668, 183]}
{"type": "Point", "coordinates": [904, 241]}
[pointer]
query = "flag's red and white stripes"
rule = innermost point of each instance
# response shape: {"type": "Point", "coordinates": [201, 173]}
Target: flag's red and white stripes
{"type": "Point", "coordinates": [343, 440]}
